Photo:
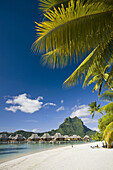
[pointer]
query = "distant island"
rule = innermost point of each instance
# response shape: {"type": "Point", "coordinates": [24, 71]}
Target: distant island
{"type": "Point", "coordinates": [70, 126]}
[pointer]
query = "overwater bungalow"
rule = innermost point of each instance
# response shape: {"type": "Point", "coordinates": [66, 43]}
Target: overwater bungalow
{"type": "Point", "coordinates": [59, 137]}
{"type": "Point", "coordinates": [3, 138]}
{"type": "Point", "coordinates": [73, 138]}
{"type": "Point", "coordinates": [46, 137]}
{"type": "Point", "coordinates": [34, 137]}
{"type": "Point", "coordinates": [19, 138]}
{"type": "Point", "coordinates": [10, 137]}
{"type": "Point", "coordinates": [86, 138]}
{"type": "Point", "coordinates": [79, 138]}
{"type": "Point", "coordinates": [66, 138]}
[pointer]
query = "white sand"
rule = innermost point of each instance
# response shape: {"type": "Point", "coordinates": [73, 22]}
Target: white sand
{"type": "Point", "coordinates": [80, 157]}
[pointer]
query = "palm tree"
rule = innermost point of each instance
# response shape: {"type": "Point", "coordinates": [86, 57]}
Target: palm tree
{"type": "Point", "coordinates": [72, 29]}
{"type": "Point", "coordinates": [97, 74]}
{"type": "Point", "coordinates": [108, 134]}
{"type": "Point", "coordinates": [94, 108]}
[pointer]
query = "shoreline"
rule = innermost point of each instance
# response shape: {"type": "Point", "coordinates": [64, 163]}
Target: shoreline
{"type": "Point", "coordinates": [81, 156]}
{"type": "Point", "coordinates": [7, 159]}
{"type": "Point", "coordinates": [29, 153]}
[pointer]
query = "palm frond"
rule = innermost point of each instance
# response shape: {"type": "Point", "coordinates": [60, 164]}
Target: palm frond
{"type": "Point", "coordinates": [107, 108]}
{"type": "Point", "coordinates": [107, 95]}
{"type": "Point", "coordinates": [46, 5]}
{"type": "Point", "coordinates": [95, 62]}
{"type": "Point", "coordinates": [108, 129]}
{"type": "Point", "coordinates": [98, 85]}
{"type": "Point", "coordinates": [81, 69]}
{"type": "Point", "coordinates": [109, 81]}
{"type": "Point", "coordinates": [73, 28]}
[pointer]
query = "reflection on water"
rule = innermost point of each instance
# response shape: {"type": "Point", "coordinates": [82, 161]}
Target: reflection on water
{"type": "Point", "coordinates": [11, 151]}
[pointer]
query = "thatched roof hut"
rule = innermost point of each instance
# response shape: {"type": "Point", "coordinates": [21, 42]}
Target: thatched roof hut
{"type": "Point", "coordinates": [74, 137]}
{"type": "Point", "coordinates": [3, 138]}
{"type": "Point", "coordinates": [34, 137]}
{"type": "Point", "coordinates": [71, 137]}
{"type": "Point", "coordinates": [58, 137]}
{"type": "Point", "coordinates": [79, 138]}
{"type": "Point", "coordinates": [10, 137]}
{"type": "Point", "coordinates": [86, 138]}
{"type": "Point", "coordinates": [66, 137]}
{"type": "Point", "coordinates": [46, 137]}
{"type": "Point", "coordinates": [19, 137]}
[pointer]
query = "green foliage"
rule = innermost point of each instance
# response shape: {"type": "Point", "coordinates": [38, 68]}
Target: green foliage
{"type": "Point", "coordinates": [109, 139]}
{"type": "Point", "coordinates": [72, 31]}
{"type": "Point", "coordinates": [107, 108]}
{"type": "Point", "coordinates": [72, 126]}
{"type": "Point", "coordinates": [107, 95]}
{"type": "Point", "coordinates": [108, 129]}
{"type": "Point", "coordinates": [105, 120]}
{"type": "Point", "coordinates": [108, 134]}
{"type": "Point", "coordinates": [46, 5]}
{"type": "Point", "coordinates": [94, 108]}
{"type": "Point", "coordinates": [97, 136]}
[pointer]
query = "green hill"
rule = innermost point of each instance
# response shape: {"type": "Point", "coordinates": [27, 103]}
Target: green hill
{"type": "Point", "coordinates": [70, 126]}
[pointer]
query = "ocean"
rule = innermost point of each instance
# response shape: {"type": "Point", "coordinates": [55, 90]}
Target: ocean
{"type": "Point", "coordinates": [12, 151]}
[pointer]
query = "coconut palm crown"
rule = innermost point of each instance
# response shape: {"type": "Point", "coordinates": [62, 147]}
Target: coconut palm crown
{"type": "Point", "coordinates": [94, 108]}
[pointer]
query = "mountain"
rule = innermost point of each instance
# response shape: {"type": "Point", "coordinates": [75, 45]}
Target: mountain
{"type": "Point", "coordinates": [70, 126]}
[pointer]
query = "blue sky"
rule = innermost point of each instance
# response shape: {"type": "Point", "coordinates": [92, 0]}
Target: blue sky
{"type": "Point", "coordinates": [32, 96]}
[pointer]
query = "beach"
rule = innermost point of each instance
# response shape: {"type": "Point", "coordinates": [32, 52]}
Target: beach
{"type": "Point", "coordinates": [78, 157]}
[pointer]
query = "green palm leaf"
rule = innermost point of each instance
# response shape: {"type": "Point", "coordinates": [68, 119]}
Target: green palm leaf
{"type": "Point", "coordinates": [107, 95]}
{"type": "Point", "coordinates": [93, 107]}
{"type": "Point", "coordinates": [108, 129]}
{"type": "Point", "coordinates": [82, 69]}
{"type": "Point", "coordinates": [107, 108]}
{"type": "Point", "coordinates": [46, 5]}
{"type": "Point", "coordinates": [73, 28]}
{"type": "Point", "coordinates": [94, 64]}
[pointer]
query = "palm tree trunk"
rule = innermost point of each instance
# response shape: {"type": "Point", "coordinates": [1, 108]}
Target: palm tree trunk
{"type": "Point", "coordinates": [108, 145]}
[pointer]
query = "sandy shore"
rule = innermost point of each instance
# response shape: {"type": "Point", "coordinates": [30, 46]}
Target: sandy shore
{"type": "Point", "coordinates": [80, 157]}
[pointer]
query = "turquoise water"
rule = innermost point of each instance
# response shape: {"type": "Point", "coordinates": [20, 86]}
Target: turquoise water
{"type": "Point", "coordinates": [11, 151]}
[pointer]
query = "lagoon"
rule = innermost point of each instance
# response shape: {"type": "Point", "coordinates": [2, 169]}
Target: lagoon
{"type": "Point", "coordinates": [12, 151]}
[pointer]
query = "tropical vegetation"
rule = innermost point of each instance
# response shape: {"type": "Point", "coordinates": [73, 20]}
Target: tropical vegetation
{"type": "Point", "coordinates": [75, 31]}
{"type": "Point", "coordinates": [94, 108]}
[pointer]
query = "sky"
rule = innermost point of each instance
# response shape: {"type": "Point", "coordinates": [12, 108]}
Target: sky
{"type": "Point", "coordinates": [32, 96]}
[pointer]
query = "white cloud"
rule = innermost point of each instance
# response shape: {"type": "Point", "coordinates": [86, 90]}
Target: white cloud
{"type": "Point", "coordinates": [80, 111]}
{"type": "Point", "coordinates": [89, 121]}
{"type": "Point", "coordinates": [60, 108]}
{"type": "Point", "coordinates": [35, 130]}
{"type": "Point", "coordinates": [49, 104]}
{"type": "Point", "coordinates": [62, 101]}
{"type": "Point", "coordinates": [24, 104]}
